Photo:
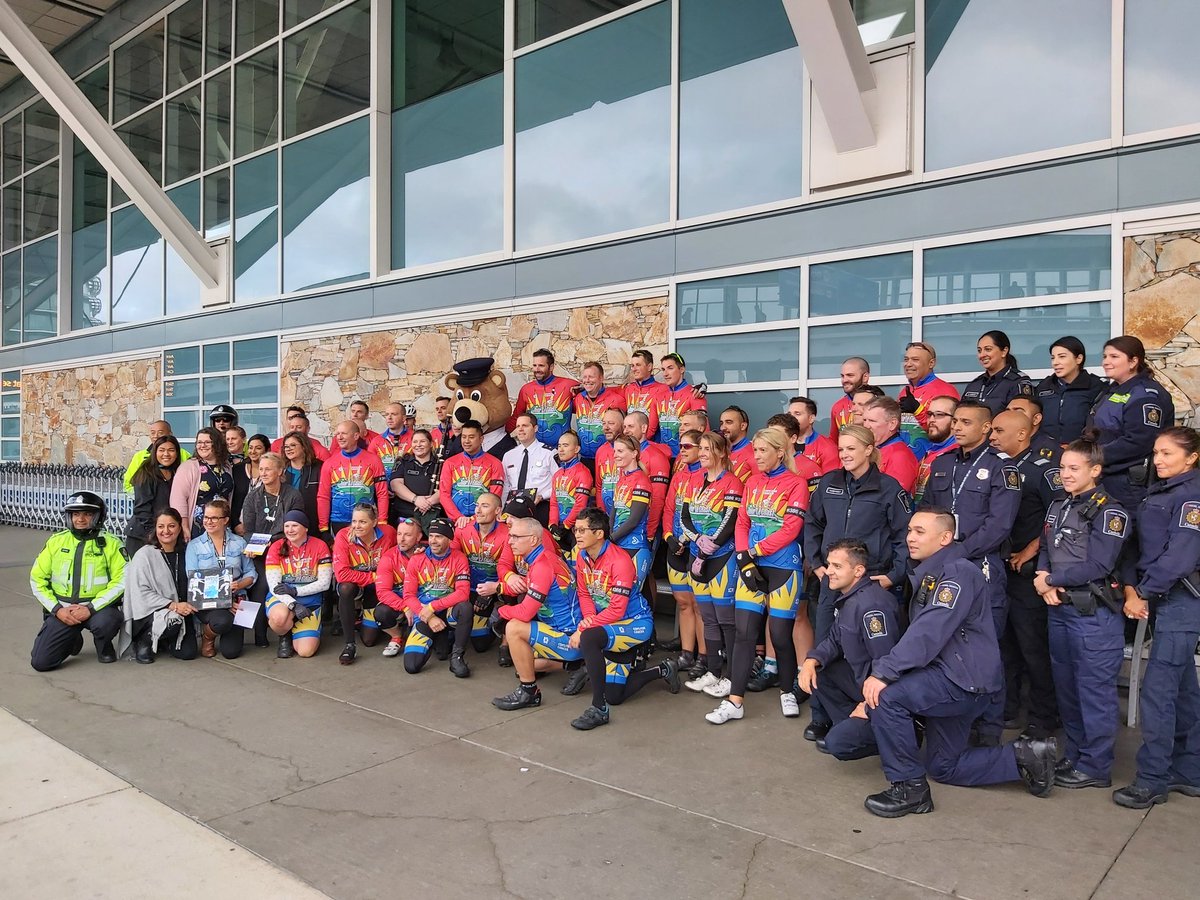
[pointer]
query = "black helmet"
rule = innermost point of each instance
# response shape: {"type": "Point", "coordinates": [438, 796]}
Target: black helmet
{"type": "Point", "coordinates": [223, 411]}
{"type": "Point", "coordinates": [85, 501]}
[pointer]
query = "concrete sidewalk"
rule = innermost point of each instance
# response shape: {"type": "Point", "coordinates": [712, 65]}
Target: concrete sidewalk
{"type": "Point", "coordinates": [366, 782]}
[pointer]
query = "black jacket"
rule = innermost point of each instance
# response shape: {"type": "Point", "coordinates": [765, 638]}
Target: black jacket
{"type": "Point", "coordinates": [1065, 406]}
{"type": "Point", "coordinates": [874, 509]}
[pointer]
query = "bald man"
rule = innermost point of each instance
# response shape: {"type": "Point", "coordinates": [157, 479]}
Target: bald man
{"type": "Point", "coordinates": [160, 428]}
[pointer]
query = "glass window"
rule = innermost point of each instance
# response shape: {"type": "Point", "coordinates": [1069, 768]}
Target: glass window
{"type": "Point", "coordinates": [1013, 77]}
{"type": "Point", "coordinates": [860, 285]}
{"type": "Point", "coordinates": [257, 353]}
{"type": "Point", "coordinates": [138, 72]}
{"type": "Point", "coordinates": [183, 136]}
{"type": "Point", "coordinates": [1161, 87]}
{"type": "Point", "coordinates": [182, 286]}
{"type": "Point", "coordinates": [41, 134]}
{"type": "Point", "coordinates": [759, 405]}
{"type": "Point", "coordinates": [216, 390]}
{"type": "Point", "coordinates": [257, 107]}
{"type": "Point", "coordinates": [540, 19]}
{"type": "Point", "coordinates": [738, 358]}
{"type": "Point", "coordinates": [879, 343]}
{"type": "Point", "coordinates": [439, 46]}
{"type": "Point", "coordinates": [882, 20]}
{"type": "Point", "coordinates": [89, 242]}
{"type": "Point", "coordinates": [825, 398]}
{"type": "Point", "coordinates": [326, 207]}
{"type": "Point", "coordinates": [448, 175]}
{"type": "Point", "coordinates": [182, 392]}
{"type": "Point", "coordinates": [297, 11]}
{"type": "Point", "coordinates": [327, 70]}
{"type": "Point", "coordinates": [184, 423]}
{"type": "Point", "coordinates": [95, 87]}
{"type": "Point", "coordinates": [10, 451]}
{"type": "Point", "coordinates": [137, 268]}
{"type": "Point", "coordinates": [12, 215]}
{"type": "Point", "coordinates": [185, 30]}
{"type": "Point", "coordinates": [181, 361]}
{"type": "Point", "coordinates": [257, 21]}
{"type": "Point", "coordinates": [593, 131]}
{"type": "Point", "coordinates": [11, 133]}
{"type": "Point", "coordinates": [40, 294]}
{"type": "Point", "coordinates": [264, 420]}
{"type": "Point", "coordinates": [262, 387]}
{"type": "Point", "coordinates": [41, 202]}
{"type": "Point", "coordinates": [1033, 265]}
{"type": "Point", "coordinates": [10, 404]}
{"type": "Point", "coordinates": [739, 299]}
{"type": "Point", "coordinates": [256, 228]}
{"type": "Point", "coordinates": [216, 357]}
{"type": "Point", "coordinates": [143, 136]}
{"type": "Point", "coordinates": [740, 105]}
{"type": "Point", "coordinates": [216, 204]}
{"type": "Point", "coordinates": [216, 120]}
{"type": "Point", "coordinates": [1031, 329]}
{"type": "Point", "coordinates": [218, 33]}
{"type": "Point", "coordinates": [10, 297]}
{"type": "Point", "coordinates": [10, 428]}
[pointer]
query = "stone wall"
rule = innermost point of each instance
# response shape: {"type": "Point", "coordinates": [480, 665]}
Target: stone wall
{"type": "Point", "coordinates": [1162, 307]}
{"type": "Point", "coordinates": [408, 365]}
{"type": "Point", "coordinates": [91, 414]}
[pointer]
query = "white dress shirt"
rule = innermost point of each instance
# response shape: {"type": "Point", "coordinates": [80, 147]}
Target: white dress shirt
{"type": "Point", "coordinates": [541, 470]}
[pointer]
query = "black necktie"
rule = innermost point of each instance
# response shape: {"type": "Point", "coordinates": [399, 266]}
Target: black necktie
{"type": "Point", "coordinates": [524, 473]}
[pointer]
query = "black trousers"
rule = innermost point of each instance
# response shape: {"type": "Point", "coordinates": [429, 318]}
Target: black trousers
{"type": "Point", "coordinates": [840, 692]}
{"type": "Point", "coordinates": [1025, 647]}
{"type": "Point", "coordinates": [55, 641]}
{"type": "Point", "coordinates": [189, 647]}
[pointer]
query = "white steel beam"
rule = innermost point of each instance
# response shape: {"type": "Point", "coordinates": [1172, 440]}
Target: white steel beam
{"type": "Point", "coordinates": [48, 78]}
{"type": "Point", "coordinates": [837, 63]}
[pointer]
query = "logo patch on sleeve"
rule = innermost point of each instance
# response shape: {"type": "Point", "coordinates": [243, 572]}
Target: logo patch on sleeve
{"type": "Point", "coordinates": [1054, 479]}
{"type": "Point", "coordinates": [875, 624]}
{"type": "Point", "coordinates": [1025, 389]}
{"type": "Point", "coordinates": [1189, 516]}
{"type": "Point", "coordinates": [1152, 415]}
{"type": "Point", "coordinates": [1012, 478]}
{"type": "Point", "coordinates": [905, 501]}
{"type": "Point", "coordinates": [1115, 522]}
{"type": "Point", "coordinates": [946, 594]}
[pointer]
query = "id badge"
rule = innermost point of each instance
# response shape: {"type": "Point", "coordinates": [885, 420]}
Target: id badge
{"type": "Point", "coordinates": [957, 528]}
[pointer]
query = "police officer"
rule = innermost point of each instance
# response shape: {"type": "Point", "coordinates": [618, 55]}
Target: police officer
{"type": "Point", "coordinates": [1042, 443]}
{"type": "Point", "coordinates": [1068, 393]}
{"type": "Point", "coordinates": [1165, 574]}
{"type": "Point", "coordinates": [414, 482]}
{"type": "Point", "coordinates": [223, 417]}
{"type": "Point", "coordinates": [1129, 415]}
{"type": "Point", "coordinates": [1023, 645]}
{"type": "Point", "coordinates": [79, 578]}
{"type": "Point", "coordinates": [945, 668]}
{"type": "Point", "coordinates": [1084, 534]}
{"type": "Point", "coordinates": [982, 492]}
{"type": "Point", "coordinates": [1001, 379]}
{"type": "Point", "coordinates": [859, 502]}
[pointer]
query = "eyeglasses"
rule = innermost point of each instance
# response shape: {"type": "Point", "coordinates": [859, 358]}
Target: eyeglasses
{"type": "Point", "coordinates": [940, 415]}
{"type": "Point", "coordinates": [919, 345]}
{"type": "Point", "coordinates": [215, 518]}
{"type": "Point", "coordinates": [688, 446]}
{"type": "Point", "coordinates": [518, 537]}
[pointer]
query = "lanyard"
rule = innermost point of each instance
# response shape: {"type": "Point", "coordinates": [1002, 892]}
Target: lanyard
{"type": "Point", "coordinates": [955, 490]}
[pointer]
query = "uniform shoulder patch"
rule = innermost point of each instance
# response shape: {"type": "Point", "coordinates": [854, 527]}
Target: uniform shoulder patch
{"type": "Point", "coordinates": [1012, 478]}
{"type": "Point", "coordinates": [1189, 516]}
{"type": "Point", "coordinates": [1054, 478]}
{"type": "Point", "coordinates": [946, 594]}
{"type": "Point", "coordinates": [1025, 389]}
{"type": "Point", "coordinates": [1152, 415]}
{"type": "Point", "coordinates": [905, 501]}
{"type": "Point", "coordinates": [1115, 522]}
{"type": "Point", "coordinates": [875, 624]}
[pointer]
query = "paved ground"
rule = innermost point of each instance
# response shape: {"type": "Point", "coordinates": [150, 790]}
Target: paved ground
{"type": "Point", "coordinates": [365, 782]}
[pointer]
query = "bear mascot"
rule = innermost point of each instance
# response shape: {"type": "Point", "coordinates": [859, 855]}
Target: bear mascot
{"type": "Point", "coordinates": [480, 392]}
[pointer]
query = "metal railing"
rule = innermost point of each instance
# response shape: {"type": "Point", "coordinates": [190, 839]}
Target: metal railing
{"type": "Point", "coordinates": [32, 496]}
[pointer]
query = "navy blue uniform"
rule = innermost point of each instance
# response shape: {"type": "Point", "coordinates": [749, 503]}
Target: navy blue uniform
{"type": "Point", "coordinates": [1168, 530]}
{"type": "Point", "coordinates": [946, 667]}
{"type": "Point", "coordinates": [1024, 645]}
{"type": "Point", "coordinates": [1065, 407]}
{"type": "Point", "coordinates": [1045, 446]}
{"type": "Point", "coordinates": [866, 627]}
{"type": "Point", "coordinates": [1129, 417]}
{"type": "Point", "coordinates": [1081, 544]}
{"type": "Point", "coordinates": [994, 391]}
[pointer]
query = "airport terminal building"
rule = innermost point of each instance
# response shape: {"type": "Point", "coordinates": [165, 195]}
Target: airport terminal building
{"type": "Point", "coordinates": [365, 191]}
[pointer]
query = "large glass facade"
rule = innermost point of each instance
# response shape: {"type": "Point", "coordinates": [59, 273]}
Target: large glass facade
{"type": "Point", "coordinates": [10, 416]}
{"type": "Point", "coordinates": [327, 70]}
{"type": "Point", "coordinates": [256, 228]}
{"type": "Point", "coordinates": [89, 242]}
{"type": "Point", "coordinates": [1161, 87]}
{"type": "Point", "coordinates": [739, 299]}
{"type": "Point", "coordinates": [873, 284]}
{"type": "Point", "coordinates": [541, 19]}
{"type": "Point", "coordinates": [244, 373]}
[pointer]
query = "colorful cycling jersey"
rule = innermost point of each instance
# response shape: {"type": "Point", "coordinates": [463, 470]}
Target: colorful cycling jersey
{"type": "Point", "coordinates": [926, 466]}
{"type": "Point", "coordinates": [631, 486]}
{"type": "Point", "coordinates": [390, 447]}
{"type": "Point", "coordinates": [680, 492]}
{"type": "Point", "coordinates": [709, 505]}
{"type": "Point", "coordinates": [644, 397]}
{"type": "Point", "coordinates": [657, 466]}
{"type": "Point", "coordinates": [671, 406]}
{"type": "Point", "coordinates": [349, 478]}
{"type": "Point", "coordinates": [822, 451]}
{"type": "Point", "coordinates": [770, 518]}
{"type": "Point", "coordinates": [355, 561]}
{"type": "Point", "coordinates": [607, 474]}
{"type": "Point", "coordinates": [440, 581]}
{"type": "Point", "coordinates": [912, 425]}
{"type": "Point", "coordinates": [482, 551]}
{"type": "Point", "coordinates": [897, 460]}
{"type": "Point", "coordinates": [606, 587]}
{"type": "Point", "coordinates": [741, 460]}
{"type": "Point", "coordinates": [589, 417]}
{"type": "Point", "coordinates": [389, 577]}
{"type": "Point", "coordinates": [307, 566]}
{"type": "Point", "coordinates": [465, 477]}
{"type": "Point", "coordinates": [571, 490]}
{"type": "Point", "coordinates": [841, 414]}
{"type": "Point", "coordinates": [550, 595]}
{"type": "Point", "coordinates": [549, 402]}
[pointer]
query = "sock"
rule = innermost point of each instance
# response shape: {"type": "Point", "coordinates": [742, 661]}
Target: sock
{"type": "Point", "coordinates": [572, 665]}
{"type": "Point", "coordinates": [529, 687]}
{"type": "Point", "coordinates": [769, 665]}
{"type": "Point", "coordinates": [738, 705]}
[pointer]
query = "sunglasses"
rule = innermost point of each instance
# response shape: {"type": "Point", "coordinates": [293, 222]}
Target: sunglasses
{"type": "Point", "coordinates": [676, 358]}
{"type": "Point", "coordinates": [688, 446]}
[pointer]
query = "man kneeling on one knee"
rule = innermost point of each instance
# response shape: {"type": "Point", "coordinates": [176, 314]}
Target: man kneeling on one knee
{"type": "Point", "coordinates": [865, 627]}
{"type": "Point", "coordinates": [437, 592]}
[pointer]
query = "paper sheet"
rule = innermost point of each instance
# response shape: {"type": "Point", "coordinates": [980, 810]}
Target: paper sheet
{"type": "Point", "coordinates": [246, 614]}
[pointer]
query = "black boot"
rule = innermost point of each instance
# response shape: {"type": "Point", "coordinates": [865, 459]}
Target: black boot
{"type": "Point", "coordinates": [458, 665]}
{"type": "Point", "coordinates": [105, 652]}
{"type": "Point", "coordinates": [143, 646]}
{"type": "Point", "coordinates": [1036, 761]}
{"type": "Point", "coordinates": [285, 650]}
{"type": "Point", "coordinates": [902, 798]}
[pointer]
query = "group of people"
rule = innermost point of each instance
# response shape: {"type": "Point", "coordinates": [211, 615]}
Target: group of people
{"type": "Point", "coordinates": [916, 574]}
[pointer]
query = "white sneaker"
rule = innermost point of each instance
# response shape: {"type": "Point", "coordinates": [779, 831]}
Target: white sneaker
{"type": "Point", "coordinates": [707, 680]}
{"type": "Point", "coordinates": [721, 688]}
{"type": "Point", "coordinates": [393, 648]}
{"type": "Point", "coordinates": [787, 702]}
{"type": "Point", "coordinates": [725, 712]}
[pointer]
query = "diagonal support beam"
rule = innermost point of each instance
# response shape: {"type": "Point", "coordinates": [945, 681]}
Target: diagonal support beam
{"type": "Point", "coordinates": [837, 62]}
{"type": "Point", "coordinates": [48, 78]}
